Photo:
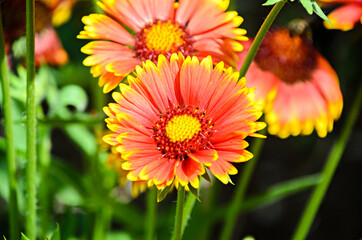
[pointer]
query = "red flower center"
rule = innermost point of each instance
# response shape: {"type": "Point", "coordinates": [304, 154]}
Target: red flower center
{"type": "Point", "coordinates": [181, 131]}
{"type": "Point", "coordinates": [289, 57]}
{"type": "Point", "coordinates": [162, 38]}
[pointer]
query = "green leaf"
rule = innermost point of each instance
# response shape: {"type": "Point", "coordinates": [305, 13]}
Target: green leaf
{"type": "Point", "coordinates": [271, 2]}
{"type": "Point", "coordinates": [4, 237]}
{"type": "Point", "coordinates": [206, 176]}
{"type": "Point", "coordinates": [194, 192]}
{"type": "Point", "coordinates": [118, 236]}
{"type": "Point", "coordinates": [23, 237]}
{"type": "Point", "coordinates": [307, 4]}
{"type": "Point", "coordinates": [249, 238]}
{"type": "Point", "coordinates": [4, 186]}
{"type": "Point", "coordinates": [230, 181]}
{"type": "Point", "coordinates": [83, 138]}
{"type": "Point", "coordinates": [71, 96]}
{"type": "Point", "coordinates": [319, 12]}
{"type": "Point", "coordinates": [161, 194]}
{"type": "Point", "coordinates": [69, 196]}
{"type": "Point", "coordinates": [56, 234]}
{"type": "Point", "coordinates": [18, 83]}
{"type": "Point", "coordinates": [75, 96]}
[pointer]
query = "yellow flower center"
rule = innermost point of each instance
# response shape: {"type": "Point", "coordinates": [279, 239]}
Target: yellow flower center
{"type": "Point", "coordinates": [182, 127]}
{"type": "Point", "coordinates": [164, 36]}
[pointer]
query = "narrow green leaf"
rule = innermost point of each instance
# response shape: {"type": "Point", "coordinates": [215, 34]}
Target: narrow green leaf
{"type": "Point", "coordinates": [195, 192]}
{"type": "Point", "coordinates": [206, 176]}
{"type": "Point", "coordinates": [4, 237]}
{"type": "Point", "coordinates": [56, 234]}
{"type": "Point", "coordinates": [230, 181]}
{"type": "Point", "coordinates": [23, 237]}
{"type": "Point", "coordinates": [271, 2]}
{"type": "Point", "coordinates": [161, 194]}
{"type": "Point", "coordinates": [319, 12]}
{"type": "Point", "coordinates": [307, 4]}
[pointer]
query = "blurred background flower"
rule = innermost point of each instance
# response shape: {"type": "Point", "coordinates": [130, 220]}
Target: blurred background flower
{"type": "Point", "coordinates": [296, 85]}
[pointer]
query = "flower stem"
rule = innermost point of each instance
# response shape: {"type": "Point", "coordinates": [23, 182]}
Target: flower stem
{"type": "Point", "coordinates": [260, 36]}
{"type": "Point", "coordinates": [328, 171]}
{"type": "Point", "coordinates": [189, 205]}
{"type": "Point", "coordinates": [30, 219]}
{"type": "Point", "coordinates": [151, 214]}
{"type": "Point", "coordinates": [9, 133]}
{"type": "Point", "coordinates": [243, 183]}
{"type": "Point", "coordinates": [44, 163]}
{"type": "Point", "coordinates": [177, 234]}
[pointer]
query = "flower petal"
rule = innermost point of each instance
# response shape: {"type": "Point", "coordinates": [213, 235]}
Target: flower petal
{"type": "Point", "coordinates": [100, 26]}
{"type": "Point", "coordinates": [345, 17]}
{"type": "Point", "coordinates": [187, 171]}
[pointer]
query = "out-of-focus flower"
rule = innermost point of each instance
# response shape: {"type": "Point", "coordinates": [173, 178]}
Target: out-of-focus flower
{"type": "Point", "coordinates": [178, 117]}
{"type": "Point", "coordinates": [115, 161]}
{"type": "Point", "coordinates": [344, 17]}
{"type": "Point", "coordinates": [296, 85]}
{"type": "Point", "coordinates": [193, 27]}
{"type": "Point", "coordinates": [61, 10]}
{"type": "Point", "coordinates": [48, 48]}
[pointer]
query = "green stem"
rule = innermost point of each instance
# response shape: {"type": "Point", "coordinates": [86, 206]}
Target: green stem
{"type": "Point", "coordinates": [260, 36]}
{"type": "Point", "coordinates": [30, 219]}
{"type": "Point", "coordinates": [151, 215]}
{"type": "Point", "coordinates": [44, 163]}
{"type": "Point", "coordinates": [189, 205]}
{"type": "Point", "coordinates": [102, 221]}
{"type": "Point", "coordinates": [177, 234]}
{"type": "Point", "coordinates": [9, 134]}
{"type": "Point", "coordinates": [328, 171]}
{"type": "Point", "coordinates": [243, 183]}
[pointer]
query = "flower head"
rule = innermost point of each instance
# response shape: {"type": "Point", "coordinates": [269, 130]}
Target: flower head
{"type": "Point", "coordinates": [344, 17]}
{"type": "Point", "coordinates": [178, 117]}
{"type": "Point", "coordinates": [61, 10]}
{"type": "Point", "coordinates": [49, 49]}
{"type": "Point", "coordinates": [296, 85]}
{"type": "Point", "coordinates": [193, 27]}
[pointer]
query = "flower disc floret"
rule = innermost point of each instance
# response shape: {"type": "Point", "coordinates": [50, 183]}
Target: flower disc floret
{"type": "Point", "coordinates": [181, 131]}
{"type": "Point", "coordinates": [162, 38]}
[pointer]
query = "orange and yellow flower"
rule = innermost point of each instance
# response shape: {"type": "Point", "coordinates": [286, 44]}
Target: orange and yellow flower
{"type": "Point", "coordinates": [192, 27]}
{"type": "Point", "coordinates": [296, 85]}
{"type": "Point", "coordinates": [178, 117]}
{"type": "Point", "coordinates": [344, 17]}
{"type": "Point", "coordinates": [61, 10]}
